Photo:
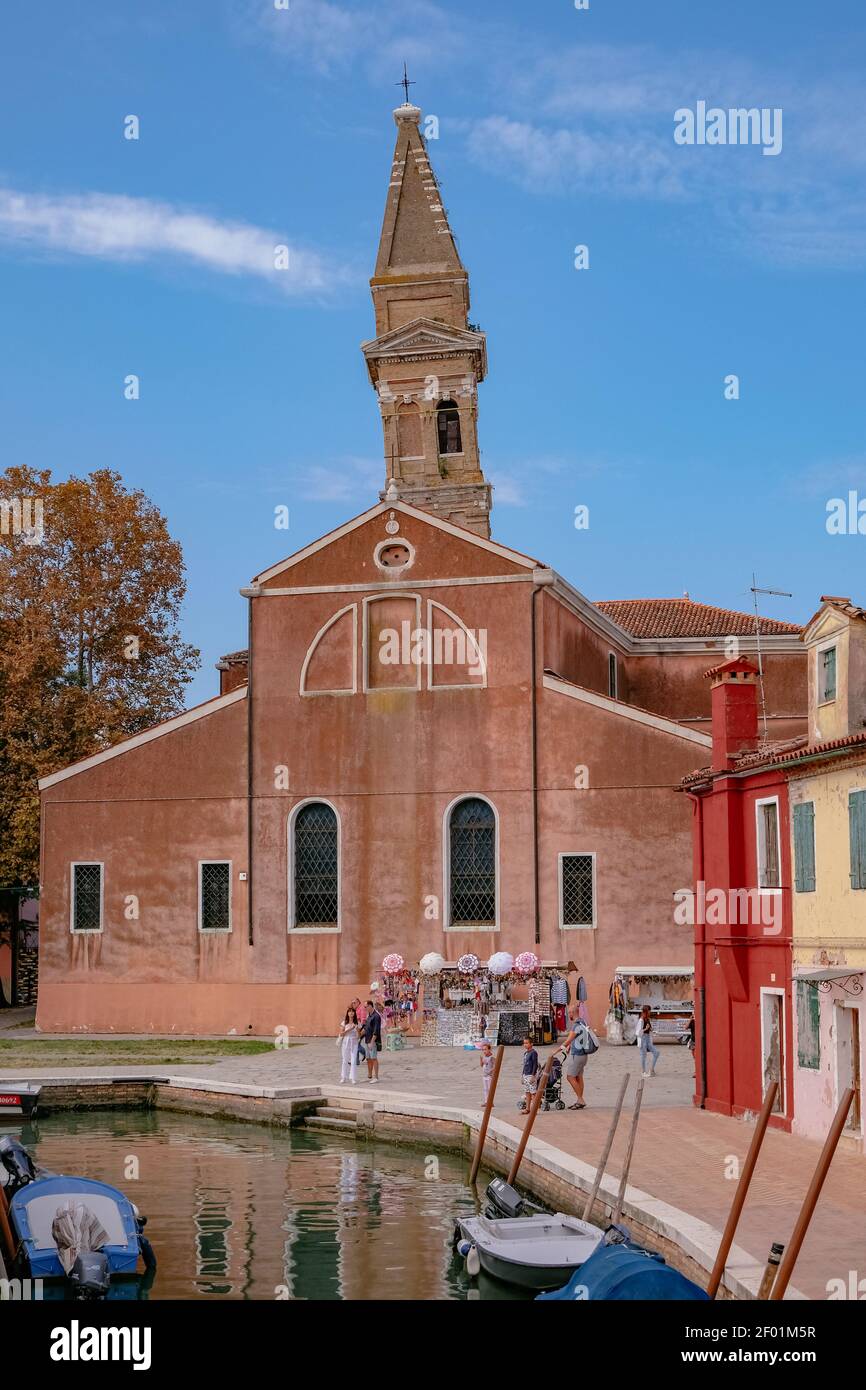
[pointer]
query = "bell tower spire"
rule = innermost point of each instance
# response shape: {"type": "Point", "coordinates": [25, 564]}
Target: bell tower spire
{"type": "Point", "coordinates": [426, 361]}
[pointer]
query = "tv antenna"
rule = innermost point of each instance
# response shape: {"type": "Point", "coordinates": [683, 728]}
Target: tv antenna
{"type": "Point", "coordinates": [779, 593]}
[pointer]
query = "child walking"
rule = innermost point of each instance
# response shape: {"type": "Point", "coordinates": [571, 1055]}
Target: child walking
{"type": "Point", "coordinates": [529, 1075]}
{"type": "Point", "coordinates": [487, 1063]}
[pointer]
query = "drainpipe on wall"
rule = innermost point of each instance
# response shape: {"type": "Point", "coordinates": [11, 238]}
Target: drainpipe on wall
{"type": "Point", "coordinates": [700, 952]}
{"type": "Point", "coordinates": [249, 593]}
{"type": "Point", "coordinates": [540, 579]}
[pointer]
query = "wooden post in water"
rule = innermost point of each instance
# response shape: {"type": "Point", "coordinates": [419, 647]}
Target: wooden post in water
{"type": "Point", "coordinates": [485, 1119]}
{"type": "Point", "coordinates": [742, 1188]}
{"type": "Point", "coordinates": [530, 1119]}
{"type": "Point", "coordinates": [786, 1268]}
{"type": "Point", "coordinates": [629, 1151]}
{"type": "Point", "coordinates": [602, 1162]}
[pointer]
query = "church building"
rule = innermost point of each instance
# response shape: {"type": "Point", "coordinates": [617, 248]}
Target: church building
{"type": "Point", "coordinates": [433, 743]}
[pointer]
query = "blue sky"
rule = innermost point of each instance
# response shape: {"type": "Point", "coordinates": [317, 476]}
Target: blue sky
{"type": "Point", "coordinates": [261, 126]}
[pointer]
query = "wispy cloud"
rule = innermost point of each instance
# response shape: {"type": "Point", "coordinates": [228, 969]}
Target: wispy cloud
{"type": "Point", "coordinates": [113, 227]}
{"type": "Point", "coordinates": [331, 38]}
{"type": "Point", "coordinates": [347, 479]}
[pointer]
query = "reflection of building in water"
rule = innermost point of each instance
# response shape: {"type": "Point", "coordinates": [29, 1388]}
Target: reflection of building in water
{"type": "Point", "coordinates": [212, 1226]}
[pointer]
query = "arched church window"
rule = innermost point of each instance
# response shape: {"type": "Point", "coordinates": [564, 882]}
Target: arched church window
{"type": "Point", "coordinates": [448, 425]}
{"type": "Point", "coordinates": [472, 864]}
{"type": "Point", "coordinates": [316, 866]}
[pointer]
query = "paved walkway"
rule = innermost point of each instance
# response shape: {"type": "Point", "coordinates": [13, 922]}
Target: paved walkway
{"type": "Point", "coordinates": [682, 1155]}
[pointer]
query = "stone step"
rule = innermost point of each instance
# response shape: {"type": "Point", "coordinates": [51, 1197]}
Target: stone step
{"type": "Point", "coordinates": [323, 1122]}
{"type": "Point", "coordinates": [335, 1112]}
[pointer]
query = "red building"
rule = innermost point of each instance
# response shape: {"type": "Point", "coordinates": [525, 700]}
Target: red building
{"type": "Point", "coordinates": [741, 908]}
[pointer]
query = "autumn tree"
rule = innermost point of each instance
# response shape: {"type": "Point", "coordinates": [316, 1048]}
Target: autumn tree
{"type": "Point", "coordinates": [91, 585]}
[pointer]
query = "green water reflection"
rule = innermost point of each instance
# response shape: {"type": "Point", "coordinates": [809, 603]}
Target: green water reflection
{"type": "Point", "coordinates": [248, 1212]}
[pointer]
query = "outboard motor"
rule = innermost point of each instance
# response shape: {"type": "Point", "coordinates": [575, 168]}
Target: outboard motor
{"type": "Point", "coordinates": [89, 1276]}
{"type": "Point", "coordinates": [18, 1164]}
{"type": "Point", "coordinates": [504, 1200]}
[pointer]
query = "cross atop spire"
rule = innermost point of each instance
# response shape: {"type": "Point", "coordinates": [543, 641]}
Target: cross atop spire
{"type": "Point", "coordinates": [405, 83]}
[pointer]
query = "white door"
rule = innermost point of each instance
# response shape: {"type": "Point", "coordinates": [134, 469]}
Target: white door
{"type": "Point", "coordinates": [848, 1059]}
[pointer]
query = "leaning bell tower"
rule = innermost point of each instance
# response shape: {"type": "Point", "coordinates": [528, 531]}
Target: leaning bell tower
{"type": "Point", "coordinates": [426, 359]}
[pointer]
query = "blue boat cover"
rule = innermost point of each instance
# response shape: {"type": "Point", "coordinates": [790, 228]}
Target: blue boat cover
{"type": "Point", "coordinates": [627, 1271]}
{"type": "Point", "coordinates": [112, 1208]}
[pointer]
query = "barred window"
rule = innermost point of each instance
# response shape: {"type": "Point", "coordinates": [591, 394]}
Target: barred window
{"type": "Point", "coordinates": [316, 866]}
{"type": "Point", "coordinates": [472, 877]}
{"type": "Point", "coordinates": [577, 889]}
{"type": "Point", "coordinates": [214, 896]}
{"type": "Point", "coordinates": [87, 897]}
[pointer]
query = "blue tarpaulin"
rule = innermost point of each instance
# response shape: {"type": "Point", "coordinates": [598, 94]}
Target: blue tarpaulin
{"type": "Point", "coordinates": [626, 1271]}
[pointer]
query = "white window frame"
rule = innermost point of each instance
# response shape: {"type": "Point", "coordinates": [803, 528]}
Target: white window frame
{"type": "Point", "coordinates": [613, 694]}
{"type": "Point", "coordinates": [447, 924]}
{"type": "Point", "coordinates": [820, 698]}
{"type": "Point", "coordinates": [783, 1080]}
{"type": "Point", "coordinates": [215, 931]}
{"type": "Point", "coordinates": [577, 926]}
{"type": "Point", "coordinates": [759, 826]}
{"type": "Point", "coordinates": [291, 929]}
{"type": "Point", "coordinates": [87, 931]}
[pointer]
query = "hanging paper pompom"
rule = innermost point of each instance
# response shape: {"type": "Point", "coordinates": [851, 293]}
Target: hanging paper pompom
{"type": "Point", "coordinates": [432, 963]}
{"type": "Point", "coordinates": [392, 964]}
{"type": "Point", "coordinates": [468, 964]}
{"type": "Point", "coordinates": [500, 963]}
{"type": "Point", "coordinates": [527, 963]}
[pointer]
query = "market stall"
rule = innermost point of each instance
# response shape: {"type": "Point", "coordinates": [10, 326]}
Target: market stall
{"type": "Point", "coordinates": [465, 1001]}
{"type": "Point", "coordinates": [667, 989]}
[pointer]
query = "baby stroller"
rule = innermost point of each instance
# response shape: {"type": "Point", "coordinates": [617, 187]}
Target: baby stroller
{"type": "Point", "coordinates": [552, 1098]}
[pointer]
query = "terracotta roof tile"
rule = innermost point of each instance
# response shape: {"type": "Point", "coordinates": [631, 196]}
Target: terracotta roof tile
{"type": "Point", "coordinates": [682, 617]}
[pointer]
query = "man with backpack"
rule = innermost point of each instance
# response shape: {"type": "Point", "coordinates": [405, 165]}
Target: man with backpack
{"type": "Point", "coordinates": [580, 1044]}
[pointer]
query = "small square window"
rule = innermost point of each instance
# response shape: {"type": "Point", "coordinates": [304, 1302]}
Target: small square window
{"type": "Point", "coordinates": [214, 896]}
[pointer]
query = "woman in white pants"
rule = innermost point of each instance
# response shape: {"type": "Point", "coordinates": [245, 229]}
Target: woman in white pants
{"type": "Point", "coordinates": [348, 1040]}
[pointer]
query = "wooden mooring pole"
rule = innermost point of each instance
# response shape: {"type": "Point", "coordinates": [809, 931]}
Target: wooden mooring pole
{"type": "Point", "coordinates": [629, 1151]}
{"type": "Point", "coordinates": [602, 1162]}
{"type": "Point", "coordinates": [485, 1119]}
{"type": "Point", "coordinates": [786, 1268]}
{"type": "Point", "coordinates": [742, 1188]}
{"type": "Point", "coordinates": [530, 1119]}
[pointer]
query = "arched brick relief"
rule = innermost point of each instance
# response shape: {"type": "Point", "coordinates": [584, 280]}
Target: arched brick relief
{"type": "Point", "coordinates": [394, 642]}
{"type": "Point", "coordinates": [458, 655]}
{"type": "Point", "coordinates": [331, 664]}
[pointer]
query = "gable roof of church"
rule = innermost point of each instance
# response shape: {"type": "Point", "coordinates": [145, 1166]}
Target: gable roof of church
{"type": "Point", "coordinates": [683, 617]}
{"type": "Point", "coordinates": [461, 532]}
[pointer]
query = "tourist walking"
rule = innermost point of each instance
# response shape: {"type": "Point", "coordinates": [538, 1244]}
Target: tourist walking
{"type": "Point", "coordinates": [348, 1043]}
{"type": "Point", "coordinates": [529, 1075]}
{"type": "Point", "coordinates": [645, 1041]}
{"type": "Point", "coordinates": [577, 1047]}
{"type": "Point", "coordinates": [372, 1034]}
{"type": "Point", "coordinates": [487, 1062]}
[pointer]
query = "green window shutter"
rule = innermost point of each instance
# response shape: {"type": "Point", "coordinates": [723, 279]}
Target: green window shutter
{"type": "Point", "coordinates": [804, 847]}
{"type": "Point", "coordinates": [808, 1026]}
{"type": "Point", "coordinates": [830, 674]}
{"type": "Point", "coordinates": [857, 837]}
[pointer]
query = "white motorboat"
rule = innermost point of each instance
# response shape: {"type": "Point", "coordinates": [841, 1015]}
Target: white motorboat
{"type": "Point", "coordinates": [534, 1252]}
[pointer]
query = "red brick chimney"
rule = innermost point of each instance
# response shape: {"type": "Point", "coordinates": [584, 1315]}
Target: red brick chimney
{"type": "Point", "coordinates": [735, 711]}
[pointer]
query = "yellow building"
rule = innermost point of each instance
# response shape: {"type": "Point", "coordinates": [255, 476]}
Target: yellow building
{"type": "Point", "coordinates": [827, 793]}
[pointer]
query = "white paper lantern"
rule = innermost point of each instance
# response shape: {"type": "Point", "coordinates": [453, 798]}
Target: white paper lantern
{"type": "Point", "coordinates": [432, 963]}
{"type": "Point", "coordinates": [500, 963]}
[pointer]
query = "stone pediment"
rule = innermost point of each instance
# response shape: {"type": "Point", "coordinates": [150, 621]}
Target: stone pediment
{"type": "Point", "coordinates": [427, 338]}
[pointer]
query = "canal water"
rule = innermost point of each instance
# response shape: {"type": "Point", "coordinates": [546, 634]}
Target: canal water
{"type": "Point", "coordinates": [247, 1211]}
